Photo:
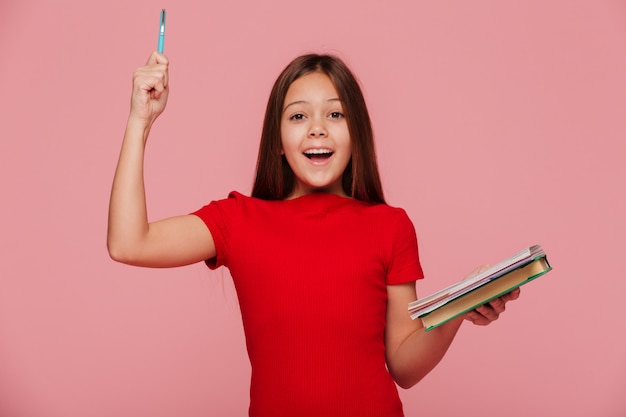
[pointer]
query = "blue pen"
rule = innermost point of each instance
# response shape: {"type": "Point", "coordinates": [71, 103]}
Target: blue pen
{"type": "Point", "coordinates": [162, 31]}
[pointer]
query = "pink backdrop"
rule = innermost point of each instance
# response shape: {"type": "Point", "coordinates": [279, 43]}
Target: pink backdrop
{"type": "Point", "coordinates": [499, 125]}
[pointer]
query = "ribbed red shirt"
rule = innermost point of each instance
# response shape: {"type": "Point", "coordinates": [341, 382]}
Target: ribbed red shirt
{"type": "Point", "coordinates": [311, 276]}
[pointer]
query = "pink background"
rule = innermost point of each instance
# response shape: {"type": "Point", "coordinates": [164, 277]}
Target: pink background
{"type": "Point", "coordinates": [499, 125]}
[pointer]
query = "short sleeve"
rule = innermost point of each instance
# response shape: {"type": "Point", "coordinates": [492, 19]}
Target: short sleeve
{"type": "Point", "coordinates": [219, 216]}
{"type": "Point", "coordinates": [404, 265]}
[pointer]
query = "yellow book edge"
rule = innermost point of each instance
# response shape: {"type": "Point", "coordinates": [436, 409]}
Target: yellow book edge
{"type": "Point", "coordinates": [485, 293]}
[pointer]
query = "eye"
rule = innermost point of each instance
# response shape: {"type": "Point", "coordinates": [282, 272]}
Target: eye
{"type": "Point", "coordinates": [297, 116]}
{"type": "Point", "coordinates": [336, 115]}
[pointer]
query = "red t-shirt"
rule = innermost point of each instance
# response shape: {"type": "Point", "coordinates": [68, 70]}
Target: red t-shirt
{"type": "Point", "coordinates": [311, 276]}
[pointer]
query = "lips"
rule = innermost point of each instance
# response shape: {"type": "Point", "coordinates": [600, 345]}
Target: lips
{"type": "Point", "coordinates": [318, 154]}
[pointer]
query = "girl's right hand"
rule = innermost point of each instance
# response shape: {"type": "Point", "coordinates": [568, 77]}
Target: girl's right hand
{"type": "Point", "coordinates": [150, 89]}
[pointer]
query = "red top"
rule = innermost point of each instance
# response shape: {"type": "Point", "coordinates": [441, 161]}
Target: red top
{"type": "Point", "coordinates": [311, 276]}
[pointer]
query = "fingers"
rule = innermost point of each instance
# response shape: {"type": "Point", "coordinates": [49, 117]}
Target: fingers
{"type": "Point", "coordinates": [157, 58]}
{"type": "Point", "coordinates": [150, 88]}
{"type": "Point", "coordinates": [492, 310]}
{"type": "Point", "coordinates": [498, 305]}
{"type": "Point", "coordinates": [151, 80]}
{"type": "Point", "coordinates": [476, 318]}
{"type": "Point", "coordinates": [479, 270]}
{"type": "Point", "coordinates": [489, 312]}
{"type": "Point", "coordinates": [513, 295]}
{"type": "Point", "coordinates": [156, 71]}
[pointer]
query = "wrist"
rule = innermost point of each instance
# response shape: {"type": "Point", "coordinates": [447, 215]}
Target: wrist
{"type": "Point", "coordinates": [140, 126]}
{"type": "Point", "coordinates": [139, 120]}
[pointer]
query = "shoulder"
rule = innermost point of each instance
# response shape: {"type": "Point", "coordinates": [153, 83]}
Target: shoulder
{"type": "Point", "coordinates": [238, 208]}
{"type": "Point", "coordinates": [389, 215]}
{"type": "Point", "coordinates": [390, 226]}
{"type": "Point", "coordinates": [233, 200]}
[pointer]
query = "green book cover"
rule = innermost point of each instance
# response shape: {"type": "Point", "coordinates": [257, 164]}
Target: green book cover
{"type": "Point", "coordinates": [487, 292]}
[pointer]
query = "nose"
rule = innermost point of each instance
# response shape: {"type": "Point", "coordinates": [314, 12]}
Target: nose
{"type": "Point", "coordinates": [317, 129]}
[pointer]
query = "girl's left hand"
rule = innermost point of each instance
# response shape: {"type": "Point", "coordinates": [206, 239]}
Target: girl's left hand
{"type": "Point", "coordinates": [486, 313]}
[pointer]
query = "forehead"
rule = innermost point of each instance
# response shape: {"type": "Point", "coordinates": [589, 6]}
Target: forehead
{"type": "Point", "coordinates": [314, 85]}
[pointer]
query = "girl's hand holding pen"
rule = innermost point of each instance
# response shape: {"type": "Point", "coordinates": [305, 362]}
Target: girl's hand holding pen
{"type": "Point", "coordinates": [150, 89]}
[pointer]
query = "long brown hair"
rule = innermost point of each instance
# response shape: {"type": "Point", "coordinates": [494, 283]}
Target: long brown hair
{"type": "Point", "coordinates": [274, 178]}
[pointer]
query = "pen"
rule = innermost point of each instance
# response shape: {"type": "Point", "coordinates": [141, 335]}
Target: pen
{"type": "Point", "coordinates": [161, 31]}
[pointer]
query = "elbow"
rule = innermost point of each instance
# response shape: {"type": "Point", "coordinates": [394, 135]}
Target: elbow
{"type": "Point", "coordinates": [120, 253]}
{"type": "Point", "coordinates": [406, 381]}
{"type": "Point", "coordinates": [115, 253]}
{"type": "Point", "coordinates": [406, 385]}
{"type": "Point", "coordinates": [408, 374]}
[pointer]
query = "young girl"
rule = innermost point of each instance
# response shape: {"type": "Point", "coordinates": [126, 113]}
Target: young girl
{"type": "Point", "coordinates": [323, 268]}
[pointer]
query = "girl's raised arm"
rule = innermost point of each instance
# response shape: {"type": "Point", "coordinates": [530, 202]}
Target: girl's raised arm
{"type": "Point", "coordinates": [131, 239]}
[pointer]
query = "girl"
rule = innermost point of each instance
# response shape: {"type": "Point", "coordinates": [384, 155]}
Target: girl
{"type": "Point", "coordinates": [323, 268]}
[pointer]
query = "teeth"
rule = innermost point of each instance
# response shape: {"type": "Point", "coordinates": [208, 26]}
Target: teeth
{"type": "Point", "coordinates": [317, 151]}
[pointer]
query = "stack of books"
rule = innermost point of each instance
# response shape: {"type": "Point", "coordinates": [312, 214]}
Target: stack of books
{"type": "Point", "coordinates": [477, 290]}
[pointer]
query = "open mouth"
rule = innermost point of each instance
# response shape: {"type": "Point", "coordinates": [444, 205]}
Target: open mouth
{"type": "Point", "coordinates": [318, 154]}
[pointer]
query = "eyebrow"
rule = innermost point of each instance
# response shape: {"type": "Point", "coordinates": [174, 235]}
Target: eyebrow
{"type": "Point", "coordinates": [305, 102]}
